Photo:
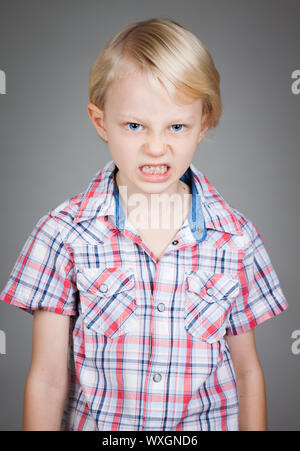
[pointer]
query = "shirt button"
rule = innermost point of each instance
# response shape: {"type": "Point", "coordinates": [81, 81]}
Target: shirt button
{"type": "Point", "coordinates": [103, 288]}
{"type": "Point", "coordinates": [175, 242]}
{"type": "Point", "coordinates": [210, 291]}
{"type": "Point", "coordinates": [161, 307]}
{"type": "Point", "coordinates": [199, 230]}
{"type": "Point", "coordinates": [157, 377]}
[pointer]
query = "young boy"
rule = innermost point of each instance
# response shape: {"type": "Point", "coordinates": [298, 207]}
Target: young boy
{"type": "Point", "coordinates": [155, 304]}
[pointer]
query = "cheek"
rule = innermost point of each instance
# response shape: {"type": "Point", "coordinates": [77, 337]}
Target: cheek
{"type": "Point", "coordinates": [187, 144]}
{"type": "Point", "coordinates": [185, 153]}
{"type": "Point", "coordinates": [124, 157]}
{"type": "Point", "coordinates": [119, 138]}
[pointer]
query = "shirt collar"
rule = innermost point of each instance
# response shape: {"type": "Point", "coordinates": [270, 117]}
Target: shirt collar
{"type": "Point", "coordinates": [209, 210]}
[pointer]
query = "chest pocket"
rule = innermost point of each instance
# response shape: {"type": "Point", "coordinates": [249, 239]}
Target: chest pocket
{"type": "Point", "coordinates": [209, 299]}
{"type": "Point", "coordinates": [107, 299]}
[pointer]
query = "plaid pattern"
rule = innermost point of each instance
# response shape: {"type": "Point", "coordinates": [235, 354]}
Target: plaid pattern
{"type": "Point", "coordinates": [147, 347]}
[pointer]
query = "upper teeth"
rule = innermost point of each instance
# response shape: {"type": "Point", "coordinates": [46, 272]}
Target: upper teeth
{"type": "Point", "coordinates": [159, 169]}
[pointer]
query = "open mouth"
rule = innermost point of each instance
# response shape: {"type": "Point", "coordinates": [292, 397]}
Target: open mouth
{"type": "Point", "coordinates": [159, 173]}
{"type": "Point", "coordinates": [156, 170]}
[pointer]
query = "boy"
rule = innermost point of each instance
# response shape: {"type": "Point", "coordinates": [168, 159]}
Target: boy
{"type": "Point", "coordinates": [160, 312]}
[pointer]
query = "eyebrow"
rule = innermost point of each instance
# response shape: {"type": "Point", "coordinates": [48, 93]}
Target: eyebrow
{"type": "Point", "coordinates": [174, 121]}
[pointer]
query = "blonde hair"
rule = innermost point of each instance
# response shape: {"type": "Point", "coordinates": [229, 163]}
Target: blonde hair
{"type": "Point", "coordinates": [166, 52]}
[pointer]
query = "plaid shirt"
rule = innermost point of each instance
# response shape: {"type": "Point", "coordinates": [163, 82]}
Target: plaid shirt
{"type": "Point", "coordinates": [147, 347]}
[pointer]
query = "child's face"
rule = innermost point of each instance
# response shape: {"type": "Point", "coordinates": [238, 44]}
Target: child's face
{"type": "Point", "coordinates": [143, 125]}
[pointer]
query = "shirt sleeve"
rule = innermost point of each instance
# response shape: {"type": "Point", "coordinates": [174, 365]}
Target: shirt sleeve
{"type": "Point", "coordinates": [261, 296]}
{"type": "Point", "coordinates": [43, 275]}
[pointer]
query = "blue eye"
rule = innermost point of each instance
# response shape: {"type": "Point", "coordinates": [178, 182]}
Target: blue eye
{"type": "Point", "coordinates": [133, 123]}
{"type": "Point", "coordinates": [176, 125]}
{"type": "Point", "coordinates": [135, 126]}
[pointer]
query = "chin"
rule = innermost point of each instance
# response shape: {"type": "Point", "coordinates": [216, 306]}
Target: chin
{"type": "Point", "coordinates": [155, 188]}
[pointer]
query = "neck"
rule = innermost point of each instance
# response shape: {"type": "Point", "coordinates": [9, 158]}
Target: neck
{"type": "Point", "coordinates": [174, 202]}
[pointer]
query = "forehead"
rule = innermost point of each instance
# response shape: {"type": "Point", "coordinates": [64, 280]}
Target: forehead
{"type": "Point", "coordinates": [134, 89]}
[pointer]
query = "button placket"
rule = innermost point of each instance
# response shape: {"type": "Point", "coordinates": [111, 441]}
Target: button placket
{"type": "Point", "coordinates": [157, 377]}
{"type": "Point", "coordinates": [161, 307]}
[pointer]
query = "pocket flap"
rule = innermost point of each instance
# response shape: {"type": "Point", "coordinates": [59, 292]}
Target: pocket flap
{"type": "Point", "coordinates": [213, 287]}
{"type": "Point", "coordinates": [107, 299]}
{"type": "Point", "coordinates": [105, 282]}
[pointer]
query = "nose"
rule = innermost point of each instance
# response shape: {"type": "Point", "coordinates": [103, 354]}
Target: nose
{"type": "Point", "coordinates": [156, 145]}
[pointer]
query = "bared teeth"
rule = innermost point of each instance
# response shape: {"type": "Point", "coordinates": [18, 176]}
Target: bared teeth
{"type": "Point", "coordinates": [155, 169]}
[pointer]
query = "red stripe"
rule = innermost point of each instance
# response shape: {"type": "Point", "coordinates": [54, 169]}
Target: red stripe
{"type": "Point", "coordinates": [222, 410]}
{"type": "Point", "coordinates": [12, 289]}
{"type": "Point", "coordinates": [187, 383]}
{"type": "Point", "coordinates": [120, 392]}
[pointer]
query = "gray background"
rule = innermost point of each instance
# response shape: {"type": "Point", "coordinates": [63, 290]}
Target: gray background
{"type": "Point", "coordinates": [50, 150]}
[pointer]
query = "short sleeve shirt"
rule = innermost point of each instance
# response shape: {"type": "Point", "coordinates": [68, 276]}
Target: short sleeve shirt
{"type": "Point", "coordinates": [147, 335]}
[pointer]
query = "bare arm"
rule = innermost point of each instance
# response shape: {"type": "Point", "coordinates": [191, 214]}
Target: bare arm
{"type": "Point", "coordinates": [47, 381]}
{"type": "Point", "coordinates": [250, 382]}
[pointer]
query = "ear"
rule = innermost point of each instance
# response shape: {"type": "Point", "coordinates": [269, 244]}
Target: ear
{"type": "Point", "coordinates": [97, 117]}
{"type": "Point", "coordinates": [204, 128]}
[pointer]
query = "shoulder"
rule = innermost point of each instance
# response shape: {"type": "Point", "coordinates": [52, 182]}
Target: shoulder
{"type": "Point", "coordinates": [67, 209]}
{"type": "Point", "coordinates": [249, 230]}
{"type": "Point", "coordinates": [222, 215]}
{"type": "Point", "coordinates": [59, 219]}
